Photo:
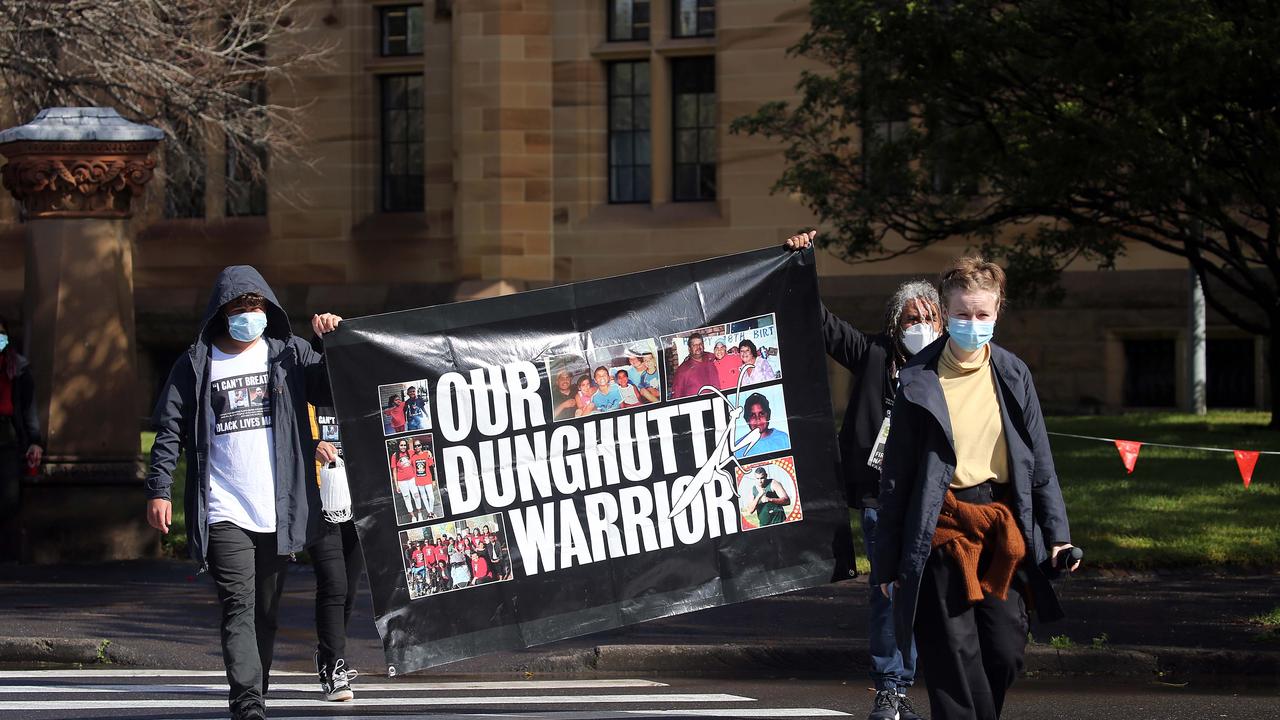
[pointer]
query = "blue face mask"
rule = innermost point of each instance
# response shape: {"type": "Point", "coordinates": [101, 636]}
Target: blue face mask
{"type": "Point", "coordinates": [4, 341]}
{"type": "Point", "coordinates": [970, 335]}
{"type": "Point", "coordinates": [246, 327]}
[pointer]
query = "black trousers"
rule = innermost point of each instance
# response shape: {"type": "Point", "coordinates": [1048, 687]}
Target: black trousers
{"type": "Point", "coordinates": [249, 573]}
{"type": "Point", "coordinates": [969, 654]}
{"type": "Point", "coordinates": [12, 463]}
{"type": "Point", "coordinates": [338, 563]}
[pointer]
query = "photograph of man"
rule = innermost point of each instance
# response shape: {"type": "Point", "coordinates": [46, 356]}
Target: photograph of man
{"type": "Point", "coordinates": [768, 500]}
{"type": "Point", "coordinates": [479, 567]}
{"type": "Point", "coordinates": [564, 398]}
{"type": "Point", "coordinates": [252, 496]}
{"type": "Point", "coordinates": [415, 409]}
{"type": "Point", "coordinates": [759, 415]}
{"type": "Point", "coordinates": [697, 370]}
{"type": "Point", "coordinates": [239, 399]}
{"type": "Point", "coordinates": [424, 475]}
{"type": "Point", "coordinates": [727, 364]}
{"type": "Point", "coordinates": [257, 395]}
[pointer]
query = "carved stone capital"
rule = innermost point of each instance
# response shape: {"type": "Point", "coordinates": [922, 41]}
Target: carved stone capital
{"type": "Point", "coordinates": [68, 179]}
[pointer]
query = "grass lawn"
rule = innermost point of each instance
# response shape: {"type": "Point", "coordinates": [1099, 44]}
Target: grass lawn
{"type": "Point", "coordinates": [1179, 507]}
{"type": "Point", "coordinates": [175, 543]}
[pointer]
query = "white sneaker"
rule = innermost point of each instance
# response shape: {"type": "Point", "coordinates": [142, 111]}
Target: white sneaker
{"type": "Point", "coordinates": [335, 685]}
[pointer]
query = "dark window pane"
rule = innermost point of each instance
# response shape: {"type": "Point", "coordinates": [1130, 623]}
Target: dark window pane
{"type": "Point", "coordinates": [1149, 373]}
{"type": "Point", "coordinates": [628, 110]}
{"type": "Point", "coordinates": [642, 183]}
{"type": "Point", "coordinates": [1230, 372]}
{"type": "Point", "coordinates": [693, 18]}
{"type": "Point", "coordinates": [707, 146]}
{"type": "Point", "coordinates": [402, 149]}
{"type": "Point", "coordinates": [620, 113]}
{"type": "Point", "coordinates": [642, 148]}
{"type": "Point", "coordinates": [686, 146]}
{"type": "Point", "coordinates": [621, 79]}
{"type": "Point", "coordinates": [686, 181]}
{"type": "Point", "coordinates": [400, 30]}
{"type": "Point", "coordinates": [628, 19]}
{"type": "Point", "coordinates": [620, 147]}
{"type": "Point", "coordinates": [641, 78]}
{"type": "Point", "coordinates": [694, 128]}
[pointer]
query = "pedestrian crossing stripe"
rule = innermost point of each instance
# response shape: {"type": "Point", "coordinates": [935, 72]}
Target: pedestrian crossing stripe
{"type": "Point", "coordinates": [221, 688]}
{"type": "Point", "coordinates": [400, 702]}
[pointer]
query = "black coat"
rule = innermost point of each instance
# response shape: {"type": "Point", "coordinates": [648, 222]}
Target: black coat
{"type": "Point", "coordinates": [26, 422]}
{"type": "Point", "coordinates": [184, 420]}
{"type": "Point", "coordinates": [870, 359]}
{"type": "Point", "coordinates": [919, 463]}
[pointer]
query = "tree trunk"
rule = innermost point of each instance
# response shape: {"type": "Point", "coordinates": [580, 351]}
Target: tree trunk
{"type": "Point", "coordinates": [1273, 371]}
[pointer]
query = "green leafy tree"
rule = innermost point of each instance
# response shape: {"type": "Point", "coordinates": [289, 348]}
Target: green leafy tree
{"type": "Point", "coordinates": [1048, 132]}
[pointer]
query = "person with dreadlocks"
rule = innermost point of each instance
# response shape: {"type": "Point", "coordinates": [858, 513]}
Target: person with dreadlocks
{"type": "Point", "coordinates": [912, 321]}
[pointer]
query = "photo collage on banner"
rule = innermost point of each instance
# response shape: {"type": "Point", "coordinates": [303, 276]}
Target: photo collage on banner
{"type": "Point", "coordinates": [455, 555]}
{"type": "Point", "coordinates": [714, 355]}
{"type": "Point", "coordinates": [405, 407]}
{"type": "Point", "coordinates": [606, 379]}
{"type": "Point", "coordinates": [412, 464]}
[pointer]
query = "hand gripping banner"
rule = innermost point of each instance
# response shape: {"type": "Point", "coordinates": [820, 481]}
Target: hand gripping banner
{"type": "Point", "coordinates": [563, 461]}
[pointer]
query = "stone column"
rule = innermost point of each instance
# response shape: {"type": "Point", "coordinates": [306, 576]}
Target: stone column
{"type": "Point", "coordinates": [75, 172]}
{"type": "Point", "coordinates": [502, 137]}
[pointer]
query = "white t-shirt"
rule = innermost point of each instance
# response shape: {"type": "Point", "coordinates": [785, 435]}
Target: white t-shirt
{"type": "Point", "coordinates": [242, 486]}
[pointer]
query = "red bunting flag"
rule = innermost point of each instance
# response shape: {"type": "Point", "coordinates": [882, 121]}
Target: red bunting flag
{"type": "Point", "coordinates": [1128, 453]}
{"type": "Point", "coordinates": [1246, 459]}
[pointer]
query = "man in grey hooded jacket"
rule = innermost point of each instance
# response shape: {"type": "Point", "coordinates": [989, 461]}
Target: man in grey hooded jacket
{"type": "Point", "coordinates": [236, 401]}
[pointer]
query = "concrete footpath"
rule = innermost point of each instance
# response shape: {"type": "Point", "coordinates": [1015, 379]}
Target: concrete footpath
{"type": "Point", "coordinates": [160, 614]}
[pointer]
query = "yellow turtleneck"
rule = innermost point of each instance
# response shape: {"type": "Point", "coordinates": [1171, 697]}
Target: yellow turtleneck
{"type": "Point", "coordinates": [976, 423]}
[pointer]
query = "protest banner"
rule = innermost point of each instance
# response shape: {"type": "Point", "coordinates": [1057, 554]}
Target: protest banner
{"type": "Point", "coordinates": [521, 471]}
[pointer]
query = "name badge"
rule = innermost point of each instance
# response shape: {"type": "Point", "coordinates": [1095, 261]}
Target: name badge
{"type": "Point", "coordinates": [876, 459]}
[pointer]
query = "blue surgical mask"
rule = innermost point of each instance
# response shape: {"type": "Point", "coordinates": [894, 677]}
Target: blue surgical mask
{"type": "Point", "coordinates": [4, 341]}
{"type": "Point", "coordinates": [248, 326]}
{"type": "Point", "coordinates": [970, 335]}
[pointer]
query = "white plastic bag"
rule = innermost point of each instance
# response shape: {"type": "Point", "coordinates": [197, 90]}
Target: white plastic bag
{"type": "Point", "coordinates": [335, 496]}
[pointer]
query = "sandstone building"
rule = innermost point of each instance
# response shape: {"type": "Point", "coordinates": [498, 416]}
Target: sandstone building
{"type": "Point", "coordinates": [483, 146]}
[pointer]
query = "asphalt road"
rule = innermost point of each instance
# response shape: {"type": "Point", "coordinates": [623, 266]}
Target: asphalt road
{"type": "Point", "coordinates": [169, 695]}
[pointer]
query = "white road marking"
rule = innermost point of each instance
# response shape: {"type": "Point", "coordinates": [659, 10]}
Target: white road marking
{"type": "Point", "coordinates": [221, 688]}
{"type": "Point", "coordinates": [192, 704]}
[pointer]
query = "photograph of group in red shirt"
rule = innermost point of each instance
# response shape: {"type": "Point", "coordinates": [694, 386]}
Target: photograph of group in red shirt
{"type": "Point", "coordinates": [455, 555]}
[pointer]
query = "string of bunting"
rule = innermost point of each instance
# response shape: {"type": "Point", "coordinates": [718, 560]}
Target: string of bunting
{"type": "Point", "coordinates": [1246, 460]}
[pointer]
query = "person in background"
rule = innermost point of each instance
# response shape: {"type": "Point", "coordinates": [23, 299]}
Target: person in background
{"type": "Point", "coordinates": [563, 399]}
{"type": "Point", "coordinates": [338, 563]}
{"type": "Point", "coordinates": [585, 391]}
{"type": "Point", "coordinates": [966, 554]}
{"type": "Point", "coordinates": [21, 447]}
{"type": "Point", "coordinates": [415, 410]}
{"type": "Point", "coordinates": [912, 321]}
{"type": "Point", "coordinates": [626, 391]}
{"type": "Point", "coordinates": [643, 376]}
{"type": "Point", "coordinates": [606, 397]}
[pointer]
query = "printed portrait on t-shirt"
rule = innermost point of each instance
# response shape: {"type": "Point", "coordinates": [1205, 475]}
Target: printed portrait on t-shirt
{"type": "Point", "coordinates": [232, 410]}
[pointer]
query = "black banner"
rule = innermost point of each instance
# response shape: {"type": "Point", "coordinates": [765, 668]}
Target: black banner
{"type": "Point", "coordinates": [563, 461]}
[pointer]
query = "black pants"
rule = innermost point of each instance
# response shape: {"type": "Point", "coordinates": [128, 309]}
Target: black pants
{"type": "Point", "coordinates": [338, 564]}
{"type": "Point", "coordinates": [249, 573]}
{"type": "Point", "coordinates": [970, 654]}
{"type": "Point", "coordinates": [12, 463]}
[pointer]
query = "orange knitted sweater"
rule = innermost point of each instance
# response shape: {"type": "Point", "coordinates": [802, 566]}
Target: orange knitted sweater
{"type": "Point", "coordinates": [966, 529]}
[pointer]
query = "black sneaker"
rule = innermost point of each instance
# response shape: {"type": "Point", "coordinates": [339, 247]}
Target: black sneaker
{"type": "Point", "coordinates": [335, 683]}
{"type": "Point", "coordinates": [905, 711]}
{"type": "Point", "coordinates": [250, 712]}
{"type": "Point", "coordinates": [885, 706]}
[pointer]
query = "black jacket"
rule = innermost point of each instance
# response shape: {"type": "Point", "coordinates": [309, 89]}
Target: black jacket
{"type": "Point", "coordinates": [26, 422]}
{"type": "Point", "coordinates": [919, 463]}
{"type": "Point", "coordinates": [184, 419]}
{"type": "Point", "coordinates": [869, 358]}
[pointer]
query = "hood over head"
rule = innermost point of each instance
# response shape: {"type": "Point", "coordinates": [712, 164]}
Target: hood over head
{"type": "Point", "coordinates": [232, 282]}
